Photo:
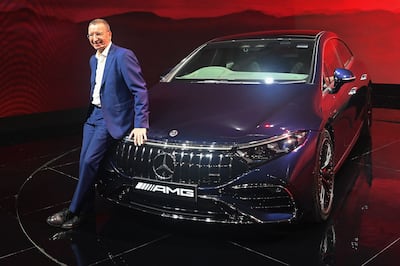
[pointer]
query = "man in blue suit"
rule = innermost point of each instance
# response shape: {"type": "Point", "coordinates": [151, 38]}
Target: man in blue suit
{"type": "Point", "coordinates": [119, 106]}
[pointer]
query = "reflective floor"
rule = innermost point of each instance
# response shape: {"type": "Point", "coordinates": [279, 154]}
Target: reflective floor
{"type": "Point", "coordinates": [39, 175]}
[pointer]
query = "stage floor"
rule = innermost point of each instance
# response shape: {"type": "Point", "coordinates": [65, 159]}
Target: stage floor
{"type": "Point", "coordinates": [38, 178]}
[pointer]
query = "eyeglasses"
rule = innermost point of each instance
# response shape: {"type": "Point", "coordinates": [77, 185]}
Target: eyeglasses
{"type": "Point", "coordinates": [96, 34]}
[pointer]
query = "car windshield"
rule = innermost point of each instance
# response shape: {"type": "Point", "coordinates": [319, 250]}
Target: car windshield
{"type": "Point", "coordinates": [278, 60]}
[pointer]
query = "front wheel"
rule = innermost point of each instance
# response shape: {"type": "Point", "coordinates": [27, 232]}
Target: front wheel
{"type": "Point", "coordinates": [324, 178]}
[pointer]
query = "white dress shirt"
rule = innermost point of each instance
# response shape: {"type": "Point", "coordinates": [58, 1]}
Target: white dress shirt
{"type": "Point", "coordinates": [101, 62]}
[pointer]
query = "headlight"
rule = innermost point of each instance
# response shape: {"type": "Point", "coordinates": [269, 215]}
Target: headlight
{"type": "Point", "coordinates": [259, 152]}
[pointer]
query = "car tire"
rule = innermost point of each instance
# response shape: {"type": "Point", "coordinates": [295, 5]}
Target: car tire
{"type": "Point", "coordinates": [324, 178]}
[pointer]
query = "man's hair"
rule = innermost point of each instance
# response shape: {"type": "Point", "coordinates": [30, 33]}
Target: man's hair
{"type": "Point", "coordinates": [100, 20]}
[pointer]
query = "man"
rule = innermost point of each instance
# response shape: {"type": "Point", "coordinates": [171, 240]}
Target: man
{"type": "Point", "coordinates": [119, 105]}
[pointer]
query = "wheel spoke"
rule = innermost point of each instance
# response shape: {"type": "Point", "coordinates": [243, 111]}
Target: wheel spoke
{"type": "Point", "coordinates": [322, 194]}
{"type": "Point", "coordinates": [327, 157]}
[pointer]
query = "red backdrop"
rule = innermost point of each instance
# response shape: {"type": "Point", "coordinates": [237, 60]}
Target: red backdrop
{"type": "Point", "coordinates": [44, 53]}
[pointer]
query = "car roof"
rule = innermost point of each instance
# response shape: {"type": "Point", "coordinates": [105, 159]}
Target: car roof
{"type": "Point", "coordinates": [311, 34]}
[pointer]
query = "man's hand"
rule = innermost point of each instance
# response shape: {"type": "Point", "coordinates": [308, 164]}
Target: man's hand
{"type": "Point", "coordinates": [139, 135]}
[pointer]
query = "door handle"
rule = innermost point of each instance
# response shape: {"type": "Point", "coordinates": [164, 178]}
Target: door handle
{"type": "Point", "coordinates": [364, 77]}
{"type": "Point", "coordinates": [353, 91]}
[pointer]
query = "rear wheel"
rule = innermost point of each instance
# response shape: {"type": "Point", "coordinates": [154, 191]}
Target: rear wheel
{"type": "Point", "coordinates": [324, 178]}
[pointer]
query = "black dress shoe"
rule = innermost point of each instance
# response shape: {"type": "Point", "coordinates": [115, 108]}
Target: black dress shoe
{"type": "Point", "coordinates": [73, 222]}
{"type": "Point", "coordinates": [59, 218]}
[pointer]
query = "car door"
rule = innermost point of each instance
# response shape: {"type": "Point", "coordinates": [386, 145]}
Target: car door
{"type": "Point", "coordinates": [358, 88]}
{"type": "Point", "coordinates": [339, 107]}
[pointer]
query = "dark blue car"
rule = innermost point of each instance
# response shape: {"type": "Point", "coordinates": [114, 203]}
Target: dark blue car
{"type": "Point", "coordinates": [248, 128]}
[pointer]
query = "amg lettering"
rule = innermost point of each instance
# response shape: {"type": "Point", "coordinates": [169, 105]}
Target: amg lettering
{"type": "Point", "coordinates": [182, 192]}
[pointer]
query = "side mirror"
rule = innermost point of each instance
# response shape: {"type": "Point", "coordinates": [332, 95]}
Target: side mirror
{"type": "Point", "coordinates": [341, 76]}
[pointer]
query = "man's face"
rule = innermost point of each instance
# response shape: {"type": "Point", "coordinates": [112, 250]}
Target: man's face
{"type": "Point", "coordinates": [99, 36]}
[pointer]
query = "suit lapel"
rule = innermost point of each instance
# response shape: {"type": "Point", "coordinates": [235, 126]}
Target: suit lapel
{"type": "Point", "coordinates": [93, 66]}
{"type": "Point", "coordinates": [109, 61]}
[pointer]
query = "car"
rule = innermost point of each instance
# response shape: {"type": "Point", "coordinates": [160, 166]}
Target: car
{"type": "Point", "coordinates": [248, 128]}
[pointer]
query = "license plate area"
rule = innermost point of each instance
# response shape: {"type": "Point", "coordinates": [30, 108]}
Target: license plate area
{"type": "Point", "coordinates": [165, 189]}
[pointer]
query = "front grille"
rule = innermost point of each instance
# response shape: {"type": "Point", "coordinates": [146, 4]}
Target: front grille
{"type": "Point", "coordinates": [202, 166]}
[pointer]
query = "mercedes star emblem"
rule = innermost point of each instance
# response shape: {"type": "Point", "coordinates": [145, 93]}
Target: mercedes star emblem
{"type": "Point", "coordinates": [173, 133]}
{"type": "Point", "coordinates": [164, 166]}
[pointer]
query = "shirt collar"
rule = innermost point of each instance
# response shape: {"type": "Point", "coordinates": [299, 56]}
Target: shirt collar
{"type": "Point", "coordinates": [105, 51]}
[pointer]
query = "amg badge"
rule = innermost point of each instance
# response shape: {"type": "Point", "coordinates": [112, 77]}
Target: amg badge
{"type": "Point", "coordinates": [167, 190]}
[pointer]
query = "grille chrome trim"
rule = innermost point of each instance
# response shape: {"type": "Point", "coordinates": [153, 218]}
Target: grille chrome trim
{"type": "Point", "coordinates": [185, 145]}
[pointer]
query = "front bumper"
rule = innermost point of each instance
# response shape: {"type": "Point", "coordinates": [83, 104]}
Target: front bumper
{"type": "Point", "coordinates": [244, 207]}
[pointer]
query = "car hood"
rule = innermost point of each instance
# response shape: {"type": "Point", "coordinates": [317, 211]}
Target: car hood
{"type": "Point", "coordinates": [199, 112]}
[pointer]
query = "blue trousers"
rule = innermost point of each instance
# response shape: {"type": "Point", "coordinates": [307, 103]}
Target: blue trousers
{"type": "Point", "coordinates": [95, 142]}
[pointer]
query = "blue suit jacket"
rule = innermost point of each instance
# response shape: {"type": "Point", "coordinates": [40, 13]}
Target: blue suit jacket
{"type": "Point", "coordinates": [123, 93]}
